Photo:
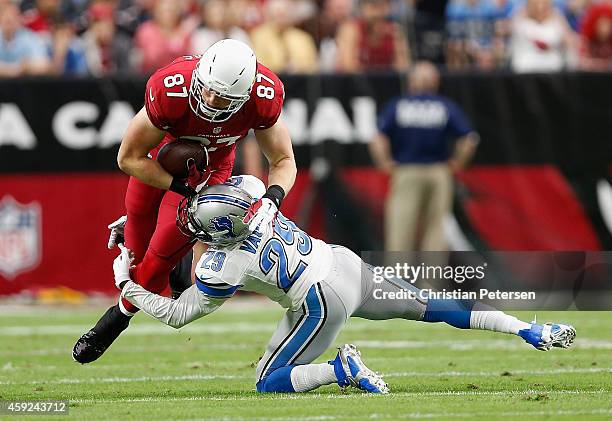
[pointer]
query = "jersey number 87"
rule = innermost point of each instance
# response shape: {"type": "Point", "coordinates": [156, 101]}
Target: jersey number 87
{"type": "Point", "coordinates": [262, 91]}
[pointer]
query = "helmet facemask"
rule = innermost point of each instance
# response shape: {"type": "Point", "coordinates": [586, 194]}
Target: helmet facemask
{"type": "Point", "coordinates": [206, 112]}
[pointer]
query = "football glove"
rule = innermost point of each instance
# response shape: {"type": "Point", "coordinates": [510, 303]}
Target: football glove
{"type": "Point", "coordinates": [117, 229]}
{"type": "Point", "coordinates": [122, 266]}
{"type": "Point", "coordinates": [262, 212]}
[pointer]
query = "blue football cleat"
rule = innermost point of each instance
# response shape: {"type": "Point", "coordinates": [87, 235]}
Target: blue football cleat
{"type": "Point", "coordinates": [543, 337]}
{"type": "Point", "coordinates": [351, 371]}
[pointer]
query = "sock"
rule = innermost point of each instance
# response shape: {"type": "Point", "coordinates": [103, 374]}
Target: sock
{"type": "Point", "coordinates": [487, 318]}
{"type": "Point", "coordinates": [453, 312]}
{"type": "Point", "coordinates": [310, 376]}
{"type": "Point", "coordinates": [124, 310]}
{"type": "Point", "coordinates": [298, 378]}
{"type": "Point", "coordinates": [277, 381]}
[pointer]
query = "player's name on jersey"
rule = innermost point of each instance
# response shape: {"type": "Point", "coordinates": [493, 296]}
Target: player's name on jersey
{"type": "Point", "coordinates": [458, 294]}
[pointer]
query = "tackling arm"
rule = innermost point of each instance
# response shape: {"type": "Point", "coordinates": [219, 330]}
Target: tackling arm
{"type": "Point", "coordinates": [190, 306]}
{"type": "Point", "coordinates": [140, 137]}
{"type": "Point", "coordinates": [275, 143]}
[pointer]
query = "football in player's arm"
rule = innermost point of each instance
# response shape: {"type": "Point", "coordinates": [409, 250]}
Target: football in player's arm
{"type": "Point", "coordinates": [215, 99]}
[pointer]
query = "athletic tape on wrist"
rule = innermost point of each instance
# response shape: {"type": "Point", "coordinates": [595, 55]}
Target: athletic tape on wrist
{"type": "Point", "coordinates": [276, 194]}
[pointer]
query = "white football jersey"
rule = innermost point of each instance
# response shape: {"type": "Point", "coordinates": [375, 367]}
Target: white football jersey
{"type": "Point", "coordinates": [281, 263]}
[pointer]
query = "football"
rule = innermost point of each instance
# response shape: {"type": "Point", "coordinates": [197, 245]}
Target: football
{"type": "Point", "coordinates": [174, 157]}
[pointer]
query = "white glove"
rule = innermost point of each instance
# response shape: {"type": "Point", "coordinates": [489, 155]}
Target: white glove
{"type": "Point", "coordinates": [116, 232]}
{"type": "Point", "coordinates": [262, 212]}
{"type": "Point", "coordinates": [122, 266]}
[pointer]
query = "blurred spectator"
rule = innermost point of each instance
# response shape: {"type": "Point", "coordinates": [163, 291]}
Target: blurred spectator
{"type": "Point", "coordinates": [542, 41]}
{"type": "Point", "coordinates": [503, 12]}
{"type": "Point", "coordinates": [333, 14]}
{"type": "Point", "coordinates": [429, 29]}
{"type": "Point", "coordinates": [41, 18]}
{"type": "Point", "coordinates": [74, 10]}
{"type": "Point", "coordinates": [246, 14]}
{"type": "Point", "coordinates": [413, 147]}
{"type": "Point", "coordinates": [107, 50]}
{"type": "Point", "coordinates": [574, 11]}
{"type": "Point", "coordinates": [470, 26]}
{"type": "Point", "coordinates": [65, 49]}
{"type": "Point", "coordinates": [217, 26]}
{"type": "Point", "coordinates": [281, 46]}
{"type": "Point", "coordinates": [164, 38]}
{"type": "Point", "coordinates": [596, 33]}
{"type": "Point", "coordinates": [133, 13]}
{"type": "Point", "coordinates": [22, 52]}
{"type": "Point", "coordinates": [372, 42]}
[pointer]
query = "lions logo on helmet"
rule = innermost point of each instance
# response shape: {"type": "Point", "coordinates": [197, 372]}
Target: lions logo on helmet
{"type": "Point", "coordinates": [223, 223]}
{"type": "Point", "coordinates": [215, 215]}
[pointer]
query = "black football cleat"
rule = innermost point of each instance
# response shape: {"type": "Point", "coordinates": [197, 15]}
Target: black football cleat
{"type": "Point", "coordinates": [180, 277]}
{"type": "Point", "coordinates": [94, 343]}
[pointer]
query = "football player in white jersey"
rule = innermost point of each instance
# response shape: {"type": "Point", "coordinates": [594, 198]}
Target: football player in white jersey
{"type": "Point", "coordinates": [320, 285]}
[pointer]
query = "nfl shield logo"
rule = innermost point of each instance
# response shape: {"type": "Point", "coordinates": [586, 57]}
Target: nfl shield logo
{"type": "Point", "coordinates": [20, 237]}
{"type": "Point", "coordinates": [217, 130]}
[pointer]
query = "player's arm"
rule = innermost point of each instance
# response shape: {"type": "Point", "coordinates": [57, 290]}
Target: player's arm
{"type": "Point", "coordinates": [380, 145]}
{"type": "Point", "coordinates": [141, 137]}
{"type": "Point", "coordinates": [460, 128]}
{"type": "Point", "coordinates": [275, 143]}
{"type": "Point", "coordinates": [191, 305]}
{"type": "Point", "coordinates": [380, 150]}
{"type": "Point", "coordinates": [465, 147]}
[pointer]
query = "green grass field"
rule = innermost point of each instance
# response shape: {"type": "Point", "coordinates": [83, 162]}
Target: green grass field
{"type": "Point", "coordinates": [206, 370]}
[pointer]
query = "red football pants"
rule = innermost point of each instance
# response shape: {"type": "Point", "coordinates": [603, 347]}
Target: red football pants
{"type": "Point", "coordinates": [152, 234]}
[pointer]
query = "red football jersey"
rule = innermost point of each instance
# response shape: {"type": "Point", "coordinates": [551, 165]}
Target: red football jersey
{"type": "Point", "coordinates": [167, 105]}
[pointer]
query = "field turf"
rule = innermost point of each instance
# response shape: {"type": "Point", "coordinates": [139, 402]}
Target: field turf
{"type": "Point", "coordinates": [205, 371]}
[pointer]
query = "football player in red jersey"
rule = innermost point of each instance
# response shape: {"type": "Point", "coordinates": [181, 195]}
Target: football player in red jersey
{"type": "Point", "coordinates": [216, 99]}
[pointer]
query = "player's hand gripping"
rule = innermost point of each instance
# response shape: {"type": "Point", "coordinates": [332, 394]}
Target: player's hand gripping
{"type": "Point", "coordinates": [183, 186]}
{"type": "Point", "coordinates": [117, 229]}
{"type": "Point", "coordinates": [122, 266]}
{"type": "Point", "coordinates": [263, 212]}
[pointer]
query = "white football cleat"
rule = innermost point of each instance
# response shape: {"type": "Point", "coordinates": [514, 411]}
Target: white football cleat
{"type": "Point", "coordinates": [544, 337]}
{"type": "Point", "coordinates": [351, 371]}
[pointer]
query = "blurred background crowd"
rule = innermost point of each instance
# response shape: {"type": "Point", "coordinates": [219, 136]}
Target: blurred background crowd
{"type": "Point", "coordinates": [101, 37]}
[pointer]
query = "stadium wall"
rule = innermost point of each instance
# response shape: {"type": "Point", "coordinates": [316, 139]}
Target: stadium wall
{"type": "Point", "coordinates": [540, 180]}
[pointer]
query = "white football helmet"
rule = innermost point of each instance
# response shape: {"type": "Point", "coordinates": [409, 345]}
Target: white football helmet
{"type": "Point", "coordinates": [227, 68]}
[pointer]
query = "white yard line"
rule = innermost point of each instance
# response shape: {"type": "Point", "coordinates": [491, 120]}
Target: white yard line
{"type": "Point", "coordinates": [131, 379]}
{"type": "Point", "coordinates": [499, 373]}
{"type": "Point", "coordinates": [157, 328]}
{"type": "Point", "coordinates": [505, 341]}
{"type": "Point", "coordinates": [418, 415]}
{"type": "Point", "coordinates": [308, 396]}
{"type": "Point", "coordinates": [94, 380]}
{"type": "Point", "coordinates": [157, 349]}
{"type": "Point", "coordinates": [140, 329]}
